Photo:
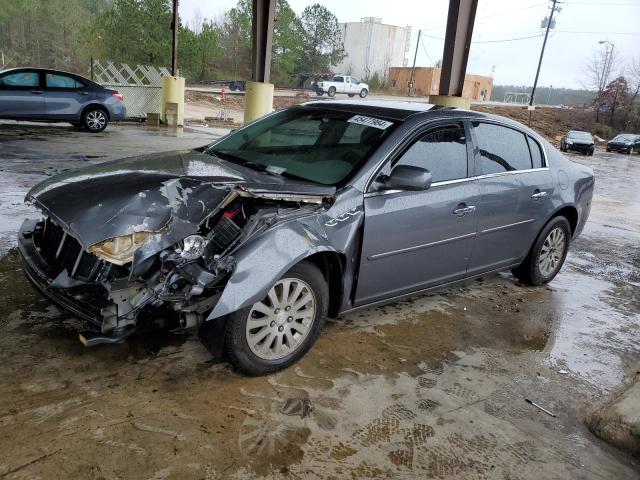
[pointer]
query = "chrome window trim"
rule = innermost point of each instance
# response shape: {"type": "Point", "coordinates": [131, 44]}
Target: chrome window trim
{"type": "Point", "coordinates": [460, 180]}
{"type": "Point", "coordinates": [382, 162]}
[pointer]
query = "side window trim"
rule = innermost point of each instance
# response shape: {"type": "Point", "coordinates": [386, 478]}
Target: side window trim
{"type": "Point", "coordinates": [543, 153]}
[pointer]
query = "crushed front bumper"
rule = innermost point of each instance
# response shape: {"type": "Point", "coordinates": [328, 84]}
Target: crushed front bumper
{"type": "Point", "coordinates": [84, 302]}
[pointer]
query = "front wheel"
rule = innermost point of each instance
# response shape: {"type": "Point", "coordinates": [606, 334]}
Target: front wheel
{"type": "Point", "coordinates": [275, 332]}
{"type": "Point", "coordinates": [331, 92]}
{"type": "Point", "coordinates": [547, 255]}
{"type": "Point", "coordinates": [363, 93]}
{"type": "Point", "coordinates": [95, 120]}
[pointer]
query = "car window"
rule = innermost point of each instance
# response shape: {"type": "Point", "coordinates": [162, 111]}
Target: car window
{"type": "Point", "coordinates": [355, 80]}
{"type": "Point", "coordinates": [442, 151]}
{"type": "Point", "coordinates": [61, 81]}
{"type": "Point", "coordinates": [536, 153]}
{"type": "Point", "coordinates": [21, 79]}
{"type": "Point", "coordinates": [502, 149]}
{"type": "Point", "coordinates": [338, 79]}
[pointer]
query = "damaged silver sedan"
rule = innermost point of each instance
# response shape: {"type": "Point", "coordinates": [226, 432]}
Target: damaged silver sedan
{"type": "Point", "coordinates": [316, 210]}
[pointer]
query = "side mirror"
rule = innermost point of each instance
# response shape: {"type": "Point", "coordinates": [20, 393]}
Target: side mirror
{"type": "Point", "coordinates": [407, 177]}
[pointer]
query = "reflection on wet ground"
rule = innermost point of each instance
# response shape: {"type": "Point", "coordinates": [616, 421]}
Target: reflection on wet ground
{"type": "Point", "coordinates": [433, 387]}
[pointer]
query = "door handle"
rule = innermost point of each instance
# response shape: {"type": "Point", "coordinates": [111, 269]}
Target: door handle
{"type": "Point", "coordinates": [463, 209]}
{"type": "Point", "coordinates": [538, 195]}
{"type": "Point", "coordinates": [84, 93]}
{"type": "Point", "coordinates": [37, 92]}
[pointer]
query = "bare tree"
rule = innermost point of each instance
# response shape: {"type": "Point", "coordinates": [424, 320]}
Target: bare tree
{"type": "Point", "coordinates": [596, 73]}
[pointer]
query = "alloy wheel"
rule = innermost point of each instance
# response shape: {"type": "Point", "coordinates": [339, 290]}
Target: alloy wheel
{"type": "Point", "coordinates": [96, 120]}
{"type": "Point", "coordinates": [551, 252]}
{"type": "Point", "coordinates": [278, 325]}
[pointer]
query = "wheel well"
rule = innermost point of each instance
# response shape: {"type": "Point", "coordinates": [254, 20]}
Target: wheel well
{"type": "Point", "coordinates": [97, 106]}
{"type": "Point", "coordinates": [331, 265]}
{"type": "Point", "coordinates": [571, 214]}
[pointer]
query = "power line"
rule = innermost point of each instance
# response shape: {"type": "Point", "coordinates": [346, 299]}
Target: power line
{"type": "Point", "coordinates": [426, 53]}
{"type": "Point", "coordinates": [491, 41]}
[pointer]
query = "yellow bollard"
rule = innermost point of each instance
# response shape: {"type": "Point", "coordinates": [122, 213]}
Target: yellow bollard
{"type": "Point", "coordinates": [173, 92]}
{"type": "Point", "coordinates": [258, 100]}
{"type": "Point", "coordinates": [448, 101]}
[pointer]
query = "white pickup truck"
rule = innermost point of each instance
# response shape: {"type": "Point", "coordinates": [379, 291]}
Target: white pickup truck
{"type": "Point", "coordinates": [342, 84]}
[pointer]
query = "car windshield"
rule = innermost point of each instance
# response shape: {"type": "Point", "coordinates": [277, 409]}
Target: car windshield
{"type": "Point", "coordinates": [312, 144]}
{"type": "Point", "coordinates": [623, 138]}
{"type": "Point", "coordinates": [579, 136]}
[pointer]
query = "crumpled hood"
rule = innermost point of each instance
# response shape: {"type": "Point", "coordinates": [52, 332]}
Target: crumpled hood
{"type": "Point", "coordinates": [150, 192]}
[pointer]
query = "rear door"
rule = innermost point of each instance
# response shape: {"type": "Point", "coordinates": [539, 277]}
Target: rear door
{"type": "Point", "coordinates": [64, 96]}
{"type": "Point", "coordinates": [414, 240]}
{"type": "Point", "coordinates": [515, 186]}
{"type": "Point", "coordinates": [21, 94]}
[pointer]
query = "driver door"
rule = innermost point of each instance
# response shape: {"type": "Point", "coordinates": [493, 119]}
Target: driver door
{"type": "Point", "coordinates": [417, 239]}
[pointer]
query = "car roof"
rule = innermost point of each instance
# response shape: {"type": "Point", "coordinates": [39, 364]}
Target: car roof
{"type": "Point", "coordinates": [393, 109]}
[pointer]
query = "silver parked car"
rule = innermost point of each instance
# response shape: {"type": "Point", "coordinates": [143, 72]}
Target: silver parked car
{"type": "Point", "coordinates": [316, 210]}
{"type": "Point", "coordinates": [54, 96]}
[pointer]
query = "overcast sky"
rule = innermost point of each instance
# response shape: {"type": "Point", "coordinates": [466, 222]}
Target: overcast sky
{"type": "Point", "coordinates": [580, 25]}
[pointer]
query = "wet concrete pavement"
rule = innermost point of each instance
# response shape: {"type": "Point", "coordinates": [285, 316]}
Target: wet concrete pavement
{"type": "Point", "coordinates": [429, 388]}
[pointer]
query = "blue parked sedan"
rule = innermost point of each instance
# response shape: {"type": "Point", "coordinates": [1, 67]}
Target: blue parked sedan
{"type": "Point", "coordinates": [54, 96]}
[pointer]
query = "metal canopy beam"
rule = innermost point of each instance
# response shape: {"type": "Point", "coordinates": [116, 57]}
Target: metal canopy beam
{"type": "Point", "coordinates": [261, 39]}
{"type": "Point", "coordinates": [457, 42]}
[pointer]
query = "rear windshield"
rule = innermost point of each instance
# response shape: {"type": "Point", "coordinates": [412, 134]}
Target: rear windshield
{"type": "Point", "coordinates": [320, 146]}
{"type": "Point", "coordinates": [580, 135]}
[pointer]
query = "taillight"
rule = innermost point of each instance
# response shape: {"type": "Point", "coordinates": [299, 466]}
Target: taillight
{"type": "Point", "coordinates": [118, 95]}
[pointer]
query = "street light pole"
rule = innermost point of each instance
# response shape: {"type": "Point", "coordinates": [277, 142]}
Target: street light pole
{"type": "Point", "coordinates": [544, 43]}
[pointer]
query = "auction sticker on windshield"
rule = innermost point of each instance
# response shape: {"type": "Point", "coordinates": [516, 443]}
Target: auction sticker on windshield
{"type": "Point", "coordinates": [370, 122]}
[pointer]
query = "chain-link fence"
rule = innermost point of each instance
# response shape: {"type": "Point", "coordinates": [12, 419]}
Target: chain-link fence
{"type": "Point", "coordinates": [141, 85]}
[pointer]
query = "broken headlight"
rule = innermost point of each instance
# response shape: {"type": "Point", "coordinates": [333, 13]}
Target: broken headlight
{"type": "Point", "coordinates": [120, 250]}
{"type": "Point", "coordinates": [193, 247]}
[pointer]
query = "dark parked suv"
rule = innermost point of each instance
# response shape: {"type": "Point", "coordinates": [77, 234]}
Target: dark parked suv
{"type": "Point", "coordinates": [578, 142]}
{"type": "Point", "coordinates": [625, 143]}
{"type": "Point", "coordinates": [54, 96]}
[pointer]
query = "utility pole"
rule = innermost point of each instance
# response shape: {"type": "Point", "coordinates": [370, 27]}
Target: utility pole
{"type": "Point", "coordinates": [544, 43]}
{"type": "Point", "coordinates": [174, 41]}
{"type": "Point", "coordinates": [413, 68]}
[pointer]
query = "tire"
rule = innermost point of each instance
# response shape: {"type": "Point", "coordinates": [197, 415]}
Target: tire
{"type": "Point", "coordinates": [608, 150]}
{"type": "Point", "coordinates": [95, 119]}
{"type": "Point", "coordinates": [265, 356]}
{"type": "Point", "coordinates": [563, 148]}
{"type": "Point", "coordinates": [631, 151]}
{"type": "Point", "coordinates": [591, 152]}
{"type": "Point", "coordinates": [351, 95]}
{"type": "Point", "coordinates": [331, 92]}
{"type": "Point", "coordinates": [363, 93]}
{"type": "Point", "coordinates": [533, 270]}
{"type": "Point", "coordinates": [319, 93]}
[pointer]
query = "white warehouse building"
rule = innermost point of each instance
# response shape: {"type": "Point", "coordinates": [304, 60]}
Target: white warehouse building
{"type": "Point", "coordinates": [372, 47]}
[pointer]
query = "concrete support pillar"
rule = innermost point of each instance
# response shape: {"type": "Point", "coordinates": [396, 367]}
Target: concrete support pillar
{"type": "Point", "coordinates": [259, 92]}
{"type": "Point", "coordinates": [457, 42]}
{"type": "Point", "coordinates": [172, 110]}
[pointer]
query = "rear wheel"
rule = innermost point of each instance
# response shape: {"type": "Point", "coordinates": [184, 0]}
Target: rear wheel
{"type": "Point", "coordinates": [331, 92]}
{"type": "Point", "coordinates": [95, 120]}
{"type": "Point", "coordinates": [546, 257]}
{"type": "Point", "coordinates": [275, 332]}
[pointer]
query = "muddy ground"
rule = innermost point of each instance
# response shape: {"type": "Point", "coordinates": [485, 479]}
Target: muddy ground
{"type": "Point", "coordinates": [434, 387]}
